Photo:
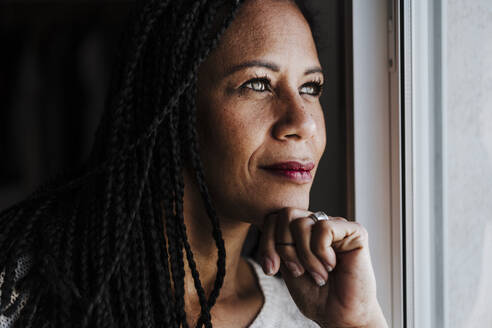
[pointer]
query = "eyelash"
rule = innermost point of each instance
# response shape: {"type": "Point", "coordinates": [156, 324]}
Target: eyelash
{"type": "Point", "coordinates": [315, 83]}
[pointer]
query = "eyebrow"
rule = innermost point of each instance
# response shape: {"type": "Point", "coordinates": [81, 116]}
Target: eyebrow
{"type": "Point", "coordinates": [266, 64]}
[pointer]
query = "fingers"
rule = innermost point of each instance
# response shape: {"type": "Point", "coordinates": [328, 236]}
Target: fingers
{"type": "Point", "coordinates": [321, 245]}
{"type": "Point", "coordinates": [289, 254]}
{"type": "Point", "coordinates": [270, 258]}
{"type": "Point", "coordinates": [315, 246]}
{"type": "Point", "coordinates": [342, 235]}
{"type": "Point", "coordinates": [276, 229]}
{"type": "Point", "coordinates": [301, 231]}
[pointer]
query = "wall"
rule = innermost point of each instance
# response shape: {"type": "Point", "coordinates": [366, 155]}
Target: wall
{"type": "Point", "coordinates": [54, 72]}
{"type": "Point", "coordinates": [469, 163]}
{"type": "Point", "coordinates": [332, 189]}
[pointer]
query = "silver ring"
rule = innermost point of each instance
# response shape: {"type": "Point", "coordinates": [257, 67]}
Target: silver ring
{"type": "Point", "coordinates": [319, 216]}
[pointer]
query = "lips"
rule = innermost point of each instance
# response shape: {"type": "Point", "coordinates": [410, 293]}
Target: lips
{"type": "Point", "coordinates": [292, 166]}
{"type": "Point", "coordinates": [294, 171]}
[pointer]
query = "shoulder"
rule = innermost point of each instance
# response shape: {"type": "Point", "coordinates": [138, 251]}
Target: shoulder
{"type": "Point", "coordinates": [279, 309]}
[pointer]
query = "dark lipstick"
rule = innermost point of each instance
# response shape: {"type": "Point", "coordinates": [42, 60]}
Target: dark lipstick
{"type": "Point", "coordinates": [298, 172]}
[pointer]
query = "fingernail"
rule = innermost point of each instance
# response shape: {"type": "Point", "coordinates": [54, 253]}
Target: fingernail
{"type": "Point", "coordinates": [267, 266]}
{"type": "Point", "coordinates": [294, 268]}
{"type": "Point", "coordinates": [319, 280]}
{"type": "Point", "coordinates": [328, 267]}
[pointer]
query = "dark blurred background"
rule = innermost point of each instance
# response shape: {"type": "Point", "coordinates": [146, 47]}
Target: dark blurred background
{"type": "Point", "coordinates": [55, 65]}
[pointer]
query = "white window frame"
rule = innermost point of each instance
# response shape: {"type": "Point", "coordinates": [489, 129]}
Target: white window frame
{"type": "Point", "coordinates": [376, 146]}
{"type": "Point", "coordinates": [424, 120]}
{"type": "Point", "coordinates": [398, 151]}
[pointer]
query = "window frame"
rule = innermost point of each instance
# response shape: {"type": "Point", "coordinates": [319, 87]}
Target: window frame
{"type": "Point", "coordinates": [399, 123]}
{"type": "Point", "coordinates": [424, 125]}
{"type": "Point", "coordinates": [377, 161]}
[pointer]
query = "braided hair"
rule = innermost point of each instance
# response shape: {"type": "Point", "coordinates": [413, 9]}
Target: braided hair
{"type": "Point", "coordinates": [94, 238]}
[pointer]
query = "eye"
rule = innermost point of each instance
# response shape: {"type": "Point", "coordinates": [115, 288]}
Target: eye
{"type": "Point", "coordinates": [313, 88]}
{"type": "Point", "coordinates": [259, 84]}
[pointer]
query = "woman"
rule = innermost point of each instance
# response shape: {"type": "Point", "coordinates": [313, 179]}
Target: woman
{"type": "Point", "coordinates": [126, 242]}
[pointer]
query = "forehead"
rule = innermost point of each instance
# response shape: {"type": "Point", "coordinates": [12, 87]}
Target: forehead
{"type": "Point", "coordinates": [267, 28]}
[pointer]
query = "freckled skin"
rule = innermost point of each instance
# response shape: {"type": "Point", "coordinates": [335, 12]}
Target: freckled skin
{"type": "Point", "coordinates": [241, 129]}
{"type": "Point", "coordinates": [252, 116]}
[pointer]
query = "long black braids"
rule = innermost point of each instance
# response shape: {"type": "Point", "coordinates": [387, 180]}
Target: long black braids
{"type": "Point", "coordinates": [97, 249]}
{"type": "Point", "coordinates": [93, 240]}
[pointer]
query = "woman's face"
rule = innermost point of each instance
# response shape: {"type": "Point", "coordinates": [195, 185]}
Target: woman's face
{"type": "Point", "coordinates": [260, 123]}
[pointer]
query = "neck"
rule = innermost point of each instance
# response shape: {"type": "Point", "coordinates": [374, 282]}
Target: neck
{"type": "Point", "coordinates": [204, 248]}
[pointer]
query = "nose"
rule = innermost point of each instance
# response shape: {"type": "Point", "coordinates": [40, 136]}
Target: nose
{"type": "Point", "coordinates": [296, 122]}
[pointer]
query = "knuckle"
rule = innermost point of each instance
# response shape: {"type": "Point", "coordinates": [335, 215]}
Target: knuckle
{"type": "Point", "coordinates": [285, 211]}
{"type": "Point", "coordinates": [264, 237]}
{"type": "Point", "coordinates": [266, 253]}
{"type": "Point", "coordinates": [265, 245]}
{"type": "Point", "coordinates": [286, 253]}
{"type": "Point", "coordinates": [269, 220]}
{"type": "Point", "coordinates": [283, 220]}
{"type": "Point", "coordinates": [310, 262]}
{"type": "Point", "coordinates": [320, 250]}
{"type": "Point", "coordinates": [270, 216]}
{"type": "Point", "coordinates": [307, 256]}
{"type": "Point", "coordinates": [364, 234]}
{"type": "Point", "coordinates": [325, 226]}
{"type": "Point", "coordinates": [290, 213]}
{"type": "Point", "coordinates": [300, 224]}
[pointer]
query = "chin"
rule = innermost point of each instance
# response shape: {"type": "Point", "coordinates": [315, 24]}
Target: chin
{"type": "Point", "coordinates": [255, 212]}
{"type": "Point", "coordinates": [301, 202]}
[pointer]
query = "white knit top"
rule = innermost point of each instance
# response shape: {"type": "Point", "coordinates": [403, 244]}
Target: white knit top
{"type": "Point", "coordinates": [278, 310]}
{"type": "Point", "coordinates": [23, 265]}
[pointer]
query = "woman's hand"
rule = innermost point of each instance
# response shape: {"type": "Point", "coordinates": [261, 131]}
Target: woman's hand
{"type": "Point", "coordinates": [328, 269]}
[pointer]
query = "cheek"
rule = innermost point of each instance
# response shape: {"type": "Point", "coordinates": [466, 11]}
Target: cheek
{"type": "Point", "coordinates": [233, 138]}
{"type": "Point", "coordinates": [229, 136]}
{"type": "Point", "coordinates": [229, 133]}
{"type": "Point", "coordinates": [321, 136]}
